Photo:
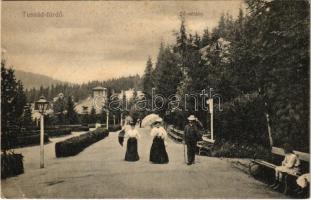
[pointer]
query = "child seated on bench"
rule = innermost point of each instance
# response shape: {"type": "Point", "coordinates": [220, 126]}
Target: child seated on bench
{"type": "Point", "coordinates": [290, 165]}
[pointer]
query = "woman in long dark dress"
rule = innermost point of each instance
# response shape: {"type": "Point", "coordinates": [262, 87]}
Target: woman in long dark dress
{"type": "Point", "coordinates": [158, 154]}
{"type": "Point", "coordinates": [131, 148]}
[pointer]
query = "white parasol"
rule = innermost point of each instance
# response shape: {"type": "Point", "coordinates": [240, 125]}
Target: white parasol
{"type": "Point", "coordinates": [149, 119]}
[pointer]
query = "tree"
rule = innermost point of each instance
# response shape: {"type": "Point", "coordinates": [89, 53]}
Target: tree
{"type": "Point", "coordinates": [205, 38]}
{"type": "Point", "coordinates": [147, 78]}
{"type": "Point", "coordinates": [59, 108]}
{"type": "Point", "coordinates": [13, 100]}
{"type": "Point", "coordinates": [135, 94]}
{"type": "Point", "coordinates": [93, 116]}
{"type": "Point", "coordinates": [168, 75]}
{"type": "Point", "coordinates": [27, 117]}
{"type": "Point", "coordinates": [181, 39]}
{"type": "Point", "coordinates": [282, 70]}
{"type": "Point", "coordinates": [71, 114]}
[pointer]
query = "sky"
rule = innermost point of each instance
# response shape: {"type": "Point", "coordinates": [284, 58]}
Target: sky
{"type": "Point", "coordinates": [98, 40]}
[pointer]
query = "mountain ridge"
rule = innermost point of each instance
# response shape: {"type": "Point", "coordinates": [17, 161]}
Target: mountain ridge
{"type": "Point", "coordinates": [33, 80]}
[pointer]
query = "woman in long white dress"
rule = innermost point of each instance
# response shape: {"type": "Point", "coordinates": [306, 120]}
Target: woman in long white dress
{"type": "Point", "coordinates": [131, 148]}
{"type": "Point", "coordinates": [158, 154]}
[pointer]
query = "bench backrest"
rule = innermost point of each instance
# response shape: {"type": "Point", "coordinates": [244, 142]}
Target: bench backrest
{"type": "Point", "coordinates": [302, 156]}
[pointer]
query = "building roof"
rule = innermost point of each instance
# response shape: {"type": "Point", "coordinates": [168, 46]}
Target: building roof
{"type": "Point", "coordinates": [99, 88]}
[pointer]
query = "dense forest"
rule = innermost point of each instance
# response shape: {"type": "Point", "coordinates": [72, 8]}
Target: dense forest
{"type": "Point", "coordinates": [258, 63]}
{"type": "Point", "coordinates": [82, 91]}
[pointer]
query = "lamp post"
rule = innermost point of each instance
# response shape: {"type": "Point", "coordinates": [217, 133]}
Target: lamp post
{"type": "Point", "coordinates": [121, 120]}
{"type": "Point", "coordinates": [107, 119]}
{"type": "Point", "coordinates": [41, 105]}
{"type": "Point", "coordinates": [210, 103]}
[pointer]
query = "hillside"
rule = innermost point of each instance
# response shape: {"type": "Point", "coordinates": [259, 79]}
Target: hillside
{"type": "Point", "coordinates": [32, 80]}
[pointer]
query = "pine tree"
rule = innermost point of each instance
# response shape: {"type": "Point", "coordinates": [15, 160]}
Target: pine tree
{"type": "Point", "coordinates": [59, 108]}
{"type": "Point", "coordinates": [21, 99]}
{"type": "Point", "coordinates": [124, 101]}
{"type": "Point", "coordinates": [205, 38]}
{"type": "Point", "coordinates": [181, 39]}
{"type": "Point", "coordinates": [71, 114]}
{"type": "Point", "coordinates": [92, 116]}
{"type": "Point", "coordinates": [155, 72]}
{"type": "Point", "coordinates": [134, 97]}
{"type": "Point", "coordinates": [27, 117]}
{"type": "Point", "coordinates": [147, 79]}
{"type": "Point", "coordinates": [13, 101]}
{"type": "Point", "coordinates": [168, 72]}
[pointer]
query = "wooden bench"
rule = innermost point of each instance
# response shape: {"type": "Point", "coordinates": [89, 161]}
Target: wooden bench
{"type": "Point", "coordinates": [280, 152]}
{"type": "Point", "coordinates": [205, 145]}
{"type": "Point", "coordinates": [175, 134]}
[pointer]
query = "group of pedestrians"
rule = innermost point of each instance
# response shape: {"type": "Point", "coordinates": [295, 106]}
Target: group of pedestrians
{"type": "Point", "coordinates": [158, 153]}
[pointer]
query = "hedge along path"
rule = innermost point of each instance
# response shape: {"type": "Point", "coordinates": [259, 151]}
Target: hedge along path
{"type": "Point", "coordinates": [75, 145]}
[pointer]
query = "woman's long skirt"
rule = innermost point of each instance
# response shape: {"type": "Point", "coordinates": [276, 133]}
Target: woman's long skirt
{"type": "Point", "coordinates": [131, 150]}
{"type": "Point", "coordinates": [158, 152]}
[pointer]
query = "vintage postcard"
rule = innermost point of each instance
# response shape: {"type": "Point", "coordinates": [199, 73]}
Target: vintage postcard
{"type": "Point", "coordinates": [155, 99]}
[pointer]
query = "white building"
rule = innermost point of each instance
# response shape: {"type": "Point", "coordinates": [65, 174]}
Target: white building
{"type": "Point", "coordinates": [96, 100]}
{"type": "Point", "coordinates": [130, 93]}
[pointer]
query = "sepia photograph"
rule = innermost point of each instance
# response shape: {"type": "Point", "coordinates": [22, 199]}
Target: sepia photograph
{"type": "Point", "coordinates": [155, 99]}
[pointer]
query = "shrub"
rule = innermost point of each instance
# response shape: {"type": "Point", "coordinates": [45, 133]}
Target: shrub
{"type": "Point", "coordinates": [22, 141]}
{"type": "Point", "coordinates": [11, 165]}
{"type": "Point", "coordinates": [73, 127]}
{"type": "Point", "coordinates": [80, 128]}
{"type": "Point", "coordinates": [50, 131]}
{"type": "Point", "coordinates": [113, 128]}
{"type": "Point", "coordinates": [239, 150]}
{"type": "Point", "coordinates": [75, 145]}
{"type": "Point", "coordinates": [30, 132]}
{"type": "Point", "coordinates": [31, 127]}
{"type": "Point", "coordinates": [58, 132]}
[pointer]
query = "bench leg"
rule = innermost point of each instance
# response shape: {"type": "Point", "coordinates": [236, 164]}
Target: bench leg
{"type": "Point", "coordinates": [253, 171]}
{"type": "Point", "coordinates": [250, 168]}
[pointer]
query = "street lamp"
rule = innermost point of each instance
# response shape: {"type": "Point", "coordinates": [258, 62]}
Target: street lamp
{"type": "Point", "coordinates": [210, 103]}
{"type": "Point", "coordinates": [121, 120]}
{"type": "Point", "coordinates": [107, 119]}
{"type": "Point", "coordinates": [107, 116]}
{"type": "Point", "coordinates": [41, 105]}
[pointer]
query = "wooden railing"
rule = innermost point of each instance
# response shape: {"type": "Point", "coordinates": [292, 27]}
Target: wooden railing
{"type": "Point", "coordinates": [175, 134]}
